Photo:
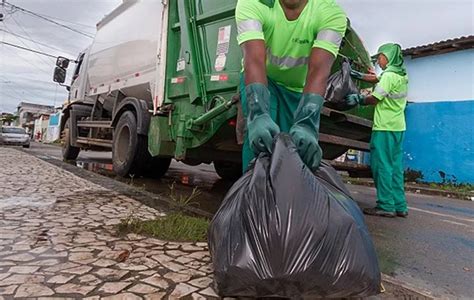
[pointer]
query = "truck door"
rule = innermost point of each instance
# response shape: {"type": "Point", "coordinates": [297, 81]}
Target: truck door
{"type": "Point", "coordinates": [79, 78]}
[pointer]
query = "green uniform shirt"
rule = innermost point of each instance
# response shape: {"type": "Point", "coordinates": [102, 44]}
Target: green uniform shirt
{"type": "Point", "coordinates": [391, 91]}
{"type": "Point", "coordinates": [322, 24]}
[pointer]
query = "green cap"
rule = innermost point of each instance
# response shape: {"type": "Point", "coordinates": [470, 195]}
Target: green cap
{"type": "Point", "coordinates": [394, 55]}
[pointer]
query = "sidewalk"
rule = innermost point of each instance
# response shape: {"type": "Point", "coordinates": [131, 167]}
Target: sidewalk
{"type": "Point", "coordinates": [58, 239]}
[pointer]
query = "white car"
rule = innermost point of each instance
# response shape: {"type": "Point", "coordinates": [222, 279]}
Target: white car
{"type": "Point", "coordinates": [14, 136]}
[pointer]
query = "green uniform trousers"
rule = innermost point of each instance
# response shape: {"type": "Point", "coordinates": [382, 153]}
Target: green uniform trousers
{"type": "Point", "coordinates": [387, 169]}
{"type": "Point", "coordinates": [283, 104]}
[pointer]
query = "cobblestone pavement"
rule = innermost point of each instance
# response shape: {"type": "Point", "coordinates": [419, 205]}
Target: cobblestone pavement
{"type": "Point", "coordinates": [57, 239]}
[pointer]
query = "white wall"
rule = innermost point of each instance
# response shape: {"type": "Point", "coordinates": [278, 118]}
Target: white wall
{"type": "Point", "coordinates": [442, 77]}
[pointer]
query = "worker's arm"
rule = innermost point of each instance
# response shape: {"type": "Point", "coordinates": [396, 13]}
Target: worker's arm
{"type": "Point", "coordinates": [250, 19]}
{"type": "Point", "coordinates": [254, 62]}
{"type": "Point", "coordinates": [330, 30]}
{"type": "Point", "coordinates": [331, 27]}
{"type": "Point", "coordinates": [319, 69]}
{"type": "Point", "coordinates": [353, 100]}
{"type": "Point", "coordinates": [305, 130]}
{"type": "Point", "coordinates": [370, 77]}
{"type": "Point", "coordinates": [261, 129]}
{"type": "Point", "coordinates": [370, 100]}
{"type": "Point", "coordinates": [381, 91]}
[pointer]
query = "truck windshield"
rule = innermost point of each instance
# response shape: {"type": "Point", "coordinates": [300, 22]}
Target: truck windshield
{"type": "Point", "coordinates": [78, 66]}
{"type": "Point", "coordinates": [13, 130]}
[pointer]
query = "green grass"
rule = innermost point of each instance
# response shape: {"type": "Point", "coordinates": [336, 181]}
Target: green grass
{"type": "Point", "coordinates": [174, 227]}
{"type": "Point", "coordinates": [451, 187]}
{"type": "Point", "coordinates": [181, 202]}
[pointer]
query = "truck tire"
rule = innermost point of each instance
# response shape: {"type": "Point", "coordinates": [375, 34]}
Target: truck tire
{"type": "Point", "coordinates": [129, 149]}
{"type": "Point", "coordinates": [69, 151]}
{"type": "Point", "coordinates": [228, 170]}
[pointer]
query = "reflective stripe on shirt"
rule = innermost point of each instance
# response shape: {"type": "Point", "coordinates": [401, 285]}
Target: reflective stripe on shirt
{"type": "Point", "coordinates": [398, 96]}
{"type": "Point", "coordinates": [286, 61]}
{"type": "Point", "coordinates": [249, 25]}
{"type": "Point", "coordinates": [383, 93]}
{"type": "Point", "coordinates": [330, 36]}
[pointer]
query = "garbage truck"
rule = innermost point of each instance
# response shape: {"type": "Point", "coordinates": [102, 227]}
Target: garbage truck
{"type": "Point", "coordinates": [160, 82]}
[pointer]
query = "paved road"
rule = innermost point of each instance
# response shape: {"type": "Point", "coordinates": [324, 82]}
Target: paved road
{"type": "Point", "coordinates": [432, 249]}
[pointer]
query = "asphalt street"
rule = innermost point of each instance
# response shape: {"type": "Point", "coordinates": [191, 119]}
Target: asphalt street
{"type": "Point", "coordinates": [432, 249]}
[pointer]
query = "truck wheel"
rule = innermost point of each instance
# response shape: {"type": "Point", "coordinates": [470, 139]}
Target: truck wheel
{"type": "Point", "coordinates": [228, 170]}
{"type": "Point", "coordinates": [129, 149]}
{"type": "Point", "coordinates": [69, 152]}
{"type": "Point", "coordinates": [157, 167]}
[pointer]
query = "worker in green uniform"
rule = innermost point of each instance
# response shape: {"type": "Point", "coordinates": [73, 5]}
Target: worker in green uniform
{"type": "Point", "coordinates": [289, 47]}
{"type": "Point", "coordinates": [390, 99]}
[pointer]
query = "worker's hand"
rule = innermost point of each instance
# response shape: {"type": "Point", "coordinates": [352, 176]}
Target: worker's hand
{"type": "Point", "coordinates": [306, 143]}
{"type": "Point", "coordinates": [261, 128]}
{"type": "Point", "coordinates": [354, 100]}
{"type": "Point", "coordinates": [370, 76]}
{"type": "Point", "coordinates": [305, 131]}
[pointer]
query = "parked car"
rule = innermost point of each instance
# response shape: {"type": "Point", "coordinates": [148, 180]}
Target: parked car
{"type": "Point", "coordinates": [14, 136]}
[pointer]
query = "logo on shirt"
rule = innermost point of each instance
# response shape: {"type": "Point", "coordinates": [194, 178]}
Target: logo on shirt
{"type": "Point", "coordinates": [300, 41]}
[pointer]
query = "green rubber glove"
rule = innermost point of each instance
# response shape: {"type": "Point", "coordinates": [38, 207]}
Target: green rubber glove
{"type": "Point", "coordinates": [305, 130]}
{"type": "Point", "coordinates": [357, 74]}
{"type": "Point", "coordinates": [353, 100]}
{"type": "Point", "coordinates": [261, 128]}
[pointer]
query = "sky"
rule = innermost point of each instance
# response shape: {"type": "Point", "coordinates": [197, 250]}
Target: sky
{"type": "Point", "coordinates": [26, 76]}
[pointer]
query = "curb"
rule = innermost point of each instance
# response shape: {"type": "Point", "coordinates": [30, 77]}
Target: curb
{"type": "Point", "coordinates": [147, 198]}
{"type": "Point", "coordinates": [418, 190]}
{"type": "Point", "coordinates": [420, 293]}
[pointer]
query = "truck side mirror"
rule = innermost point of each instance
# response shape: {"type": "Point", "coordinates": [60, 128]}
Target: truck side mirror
{"type": "Point", "coordinates": [62, 62]}
{"type": "Point", "coordinates": [59, 75]}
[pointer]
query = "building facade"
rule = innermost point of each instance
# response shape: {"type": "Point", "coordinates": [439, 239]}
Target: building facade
{"type": "Point", "coordinates": [54, 132]}
{"type": "Point", "coordinates": [439, 141]}
{"type": "Point", "coordinates": [28, 112]}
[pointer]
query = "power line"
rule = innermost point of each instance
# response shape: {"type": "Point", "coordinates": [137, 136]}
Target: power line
{"type": "Point", "coordinates": [12, 92]}
{"type": "Point", "coordinates": [29, 49]}
{"type": "Point", "coordinates": [24, 93]}
{"type": "Point", "coordinates": [17, 89]}
{"type": "Point", "coordinates": [49, 20]}
{"type": "Point", "coordinates": [67, 21]}
{"type": "Point", "coordinates": [19, 78]}
{"type": "Point", "coordinates": [31, 40]}
{"type": "Point", "coordinates": [24, 44]}
{"type": "Point", "coordinates": [30, 62]}
{"type": "Point", "coordinates": [10, 95]}
{"type": "Point", "coordinates": [22, 29]}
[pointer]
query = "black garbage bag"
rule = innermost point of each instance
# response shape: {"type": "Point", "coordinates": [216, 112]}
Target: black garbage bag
{"type": "Point", "coordinates": [340, 84]}
{"type": "Point", "coordinates": [284, 232]}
